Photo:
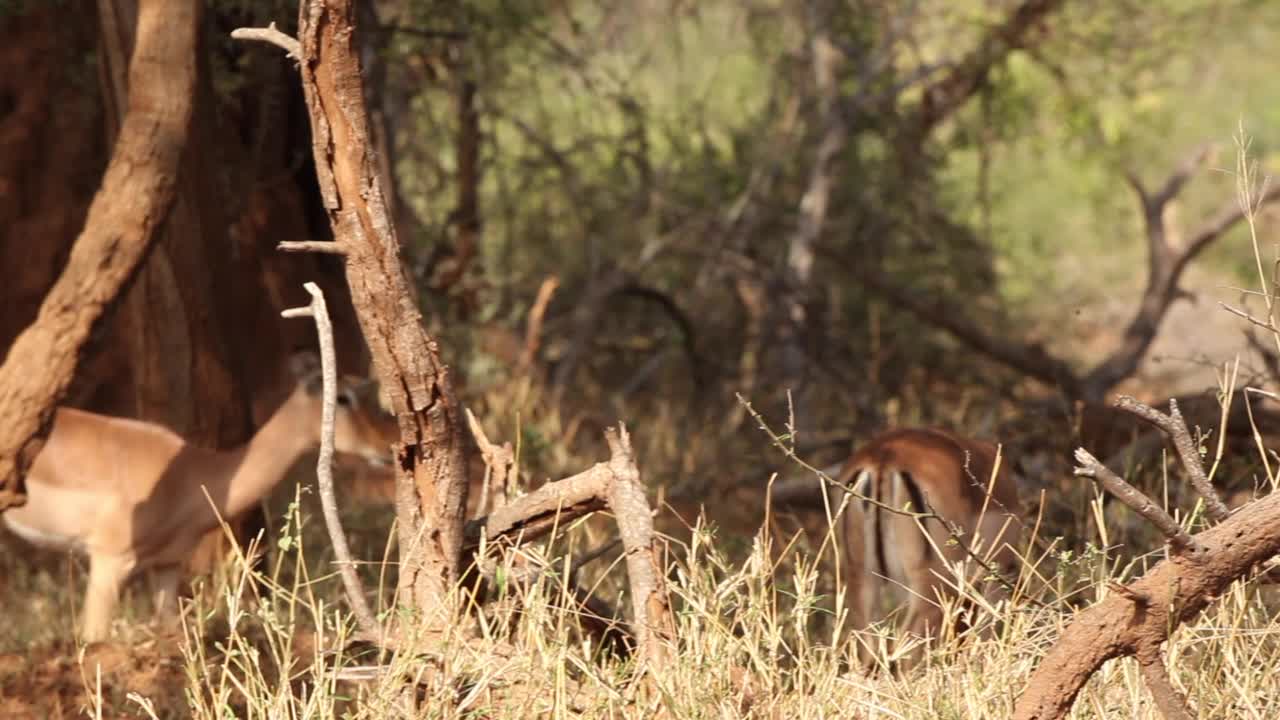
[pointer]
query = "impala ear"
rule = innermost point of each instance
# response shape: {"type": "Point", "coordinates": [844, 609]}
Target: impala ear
{"type": "Point", "coordinates": [304, 364]}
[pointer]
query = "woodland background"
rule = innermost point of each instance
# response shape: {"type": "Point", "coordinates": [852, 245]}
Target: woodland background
{"type": "Point", "coordinates": [809, 207]}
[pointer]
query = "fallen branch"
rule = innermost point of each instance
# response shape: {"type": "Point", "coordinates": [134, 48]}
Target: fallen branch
{"type": "Point", "coordinates": [499, 467]}
{"type": "Point", "coordinates": [1139, 618]}
{"type": "Point", "coordinates": [614, 485]}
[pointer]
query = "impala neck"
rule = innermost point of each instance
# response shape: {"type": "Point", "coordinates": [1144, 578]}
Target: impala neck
{"type": "Point", "coordinates": [258, 466]}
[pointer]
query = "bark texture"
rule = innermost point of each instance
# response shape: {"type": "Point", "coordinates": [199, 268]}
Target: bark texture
{"type": "Point", "coordinates": [431, 481]}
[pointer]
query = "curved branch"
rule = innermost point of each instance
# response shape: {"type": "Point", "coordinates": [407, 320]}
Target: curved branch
{"type": "Point", "coordinates": [1138, 618]}
{"type": "Point", "coordinates": [1029, 359]}
{"type": "Point", "coordinates": [1165, 265]}
{"type": "Point", "coordinates": [1178, 588]}
{"type": "Point", "coordinates": [365, 621]}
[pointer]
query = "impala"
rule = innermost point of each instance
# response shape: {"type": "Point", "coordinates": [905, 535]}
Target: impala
{"type": "Point", "coordinates": [933, 474]}
{"type": "Point", "coordinates": [132, 495]}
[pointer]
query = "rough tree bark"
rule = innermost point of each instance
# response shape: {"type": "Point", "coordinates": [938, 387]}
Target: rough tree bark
{"type": "Point", "coordinates": [136, 194]}
{"type": "Point", "coordinates": [431, 474]}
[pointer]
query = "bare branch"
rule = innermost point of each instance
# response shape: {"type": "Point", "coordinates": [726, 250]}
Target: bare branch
{"type": "Point", "coordinates": [533, 329]}
{"type": "Point", "coordinates": [1138, 501]}
{"type": "Point", "coordinates": [652, 623]}
{"type": "Point", "coordinates": [273, 36]}
{"type": "Point", "coordinates": [1031, 359]}
{"type": "Point", "coordinates": [1165, 265]}
{"type": "Point", "coordinates": [1178, 588]}
{"type": "Point", "coordinates": [1176, 428]}
{"type": "Point", "coordinates": [317, 246]}
{"type": "Point", "coordinates": [941, 99]}
{"type": "Point", "coordinates": [499, 464]}
{"type": "Point", "coordinates": [365, 621]}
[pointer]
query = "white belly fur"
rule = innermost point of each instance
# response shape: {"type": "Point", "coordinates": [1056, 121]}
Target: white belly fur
{"type": "Point", "coordinates": [41, 538]}
{"type": "Point", "coordinates": [55, 518]}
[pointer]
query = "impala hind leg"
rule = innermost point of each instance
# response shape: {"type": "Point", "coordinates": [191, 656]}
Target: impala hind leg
{"type": "Point", "coordinates": [106, 574]}
{"type": "Point", "coordinates": [164, 589]}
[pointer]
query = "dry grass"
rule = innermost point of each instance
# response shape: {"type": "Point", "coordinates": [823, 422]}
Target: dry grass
{"type": "Point", "coordinates": [759, 637]}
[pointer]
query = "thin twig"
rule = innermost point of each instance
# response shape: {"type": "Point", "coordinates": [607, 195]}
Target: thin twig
{"type": "Point", "coordinates": [318, 246]}
{"type": "Point", "coordinates": [499, 462]}
{"type": "Point", "coordinates": [273, 36]}
{"type": "Point", "coordinates": [1176, 428]}
{"type": "Point", "coordinates": [1242, 314]}
{"type": "Point", "coordinates": [533, 332]}
{"type": "Point", "coordinates": [365, 621]}
{"type": "Point", "coordinates": [1137, 501]}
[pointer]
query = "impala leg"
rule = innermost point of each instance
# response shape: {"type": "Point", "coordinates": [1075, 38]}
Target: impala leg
{"type": "Point", "coordinates": [106, 574]}
{"type": "Point", "coordinates": [164, 588]}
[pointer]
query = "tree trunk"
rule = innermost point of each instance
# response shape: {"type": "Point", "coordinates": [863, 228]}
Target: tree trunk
{"type": "Point", "coordinates": [124, 218]}
{"type": "Point", "coordinates": [174, 318]}
{"type": "Point", "coordinates": [431, 482]}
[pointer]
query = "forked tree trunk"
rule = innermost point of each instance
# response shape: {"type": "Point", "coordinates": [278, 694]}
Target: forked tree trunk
{"type": "Point", "coordinates": [123, 221]}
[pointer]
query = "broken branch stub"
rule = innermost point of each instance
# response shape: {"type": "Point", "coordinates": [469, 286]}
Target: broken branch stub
{"type": "Point", "coordinates": [653, 625]}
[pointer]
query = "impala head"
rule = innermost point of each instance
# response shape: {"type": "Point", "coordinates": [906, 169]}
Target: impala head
{"type": "Point", "coordinates": [360, 428]}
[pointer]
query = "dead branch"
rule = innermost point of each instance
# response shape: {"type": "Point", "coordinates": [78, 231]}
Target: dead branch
{"type": "Point", "coordinates": [120, 229]}
{"type": "Point", "coordinates": [1175, 428]}
{"type": "Point", "coordinates": [316, 246]}
{"type": "Point", "coordinates": [1136, 500]}
{"type": "Point", "coordinates": [614, 484]}
{"type": "Point", "coordinates": [1170, 701]}
{"type": "Point", "coordinates": [1138, 620]}
{"type": "Point", "coordinates": [531, 516]}
{"type": "Point", "coordinates": [499, 467]}
{"type": "Point", "coordinates": [652, 623]}
{"type": "Point", "coordinates": [1031, 359]}
{"type": "Point", "coordinates": [1179, 589]}
{"type": "Point", "coordinates": [533, 329]}
{"type": "Point", "coordinates": [271, 35]}
{"type": "Point", "coordinates": [365, 621]}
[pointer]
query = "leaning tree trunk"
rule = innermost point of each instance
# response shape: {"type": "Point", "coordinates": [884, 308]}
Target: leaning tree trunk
{"type": "Point", "coordinates": [174, 319]}
{"type": "Point", "coordinates": [123, 221]}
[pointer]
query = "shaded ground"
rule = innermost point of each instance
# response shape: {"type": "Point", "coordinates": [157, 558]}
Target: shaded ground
{"type": "Point", "coordinates": [53, 683]}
